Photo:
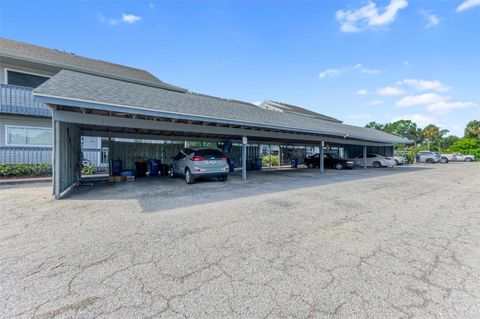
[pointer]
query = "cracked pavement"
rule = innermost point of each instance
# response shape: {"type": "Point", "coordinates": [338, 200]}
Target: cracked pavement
{"type": "Point", "coordinates": [387, 243]}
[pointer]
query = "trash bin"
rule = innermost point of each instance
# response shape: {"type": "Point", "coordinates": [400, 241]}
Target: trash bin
{"type": "Point", "coordinates": [164, 169]}
{"type": "Point", "coordinates": [231, 165]}
{"type": "Point", "coordinates": [154, 167]}
{"type": "Point", "coordinates": [258, 164]}
{"type": "Point", "coordinates": [294, 162]}
{"type": "Point", "coordinates": [140, 169]}
{"type": "Point", "coordinates": [116, 166]}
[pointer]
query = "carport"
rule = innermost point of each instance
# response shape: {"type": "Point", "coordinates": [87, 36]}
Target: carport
{"type": "Point", "coordinates": [89, 105]}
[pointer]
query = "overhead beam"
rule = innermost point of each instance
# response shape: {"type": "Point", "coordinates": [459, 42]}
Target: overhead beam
{"type": "Point", "coordinates": [112, 121]}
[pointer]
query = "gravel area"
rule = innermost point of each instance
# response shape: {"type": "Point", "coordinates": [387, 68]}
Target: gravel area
{"type": "Point", "coordinates": [382, 243]}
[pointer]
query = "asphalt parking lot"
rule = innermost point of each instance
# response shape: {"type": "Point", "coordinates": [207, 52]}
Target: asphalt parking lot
{"type": "Point", "coordinates": [385, 243]}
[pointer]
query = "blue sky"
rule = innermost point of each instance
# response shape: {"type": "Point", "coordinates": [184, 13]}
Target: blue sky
{"type": "Point", "coordinates": [359, 61]}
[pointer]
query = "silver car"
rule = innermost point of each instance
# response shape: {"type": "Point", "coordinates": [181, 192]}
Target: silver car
{"type": "Point", "coordinates": [428, 157]}
{"type": "Point", "coordinates": [195, 163]}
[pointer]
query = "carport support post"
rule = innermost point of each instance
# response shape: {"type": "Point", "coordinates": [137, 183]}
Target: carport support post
{"type": "Point", "coordinates": [364, 156]}
{"type": "Point", "coordinates": [322, 166]}
{"type": "Point", "coordinates": [56, 159]}
{"type": "Point", "coordinates": [244, 158]}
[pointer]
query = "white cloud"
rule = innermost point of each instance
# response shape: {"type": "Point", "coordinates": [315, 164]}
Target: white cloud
{"type": "Point", "coordinates": [337, 71]}
{"type": "Point", "coordinates": [406, 63]}
{"type": "Point", "coordinates": [445, 107]}
{"type": "Point", "coordinates": [362, 92]}
{"type": "Point", "coordinates": [126, 18]}
{"type": "Point", "coordinates": [375, 102]}
{"type": "Point", "coordinates": [421, 120]}
{"type": "Point", "coordinates": [424, 85]}
{"type": "Point", "coordinates": [363, 69]}
{"type": "Point", "coordinates": [369, 16]}
{"type": "Point", "coordinates": [432, 19]}
{"type": "Point", "coordinates": [390, 91]}
{"type": "Point", "coordinates": [423, 99]}
{"type": "Point", "coordinates": [130, 18]}
{"type": "Point", "coordinates": [329, 72]}
{"type": "Point", "coordinates": [468, 4]}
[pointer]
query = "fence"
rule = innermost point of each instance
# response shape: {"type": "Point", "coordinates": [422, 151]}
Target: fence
{"type": "Point", "coordinates": [20, 100]}
{"type": "Point", "coordinates": [98, 158]}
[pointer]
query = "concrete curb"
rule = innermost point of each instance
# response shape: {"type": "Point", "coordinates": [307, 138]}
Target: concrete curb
{"type": "Point", "coordinates": [13, 181]}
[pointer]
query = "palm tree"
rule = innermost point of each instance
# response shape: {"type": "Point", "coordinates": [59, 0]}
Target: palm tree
{"type": "Point", "coordinates": [473, 129]}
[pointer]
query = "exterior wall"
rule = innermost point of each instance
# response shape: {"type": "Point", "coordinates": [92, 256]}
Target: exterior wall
{"type": "Point", "coordinates": [126, 151]}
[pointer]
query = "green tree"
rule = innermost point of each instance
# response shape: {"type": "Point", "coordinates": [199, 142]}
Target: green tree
{"type": "Point", "coordinates": [375, 125]}
{"type": "Point", "coordinates": [473, 129]}
{"type": "Point", "coordinates": [448, 141]}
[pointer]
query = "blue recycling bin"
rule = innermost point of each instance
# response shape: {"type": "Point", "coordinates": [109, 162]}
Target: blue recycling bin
{"type": "Point", "coordinates": [258, 164]}
{"type": "Point", "coordinates": [294, 163]}
{"type": "Point", "coordinates": [231, 165]}
{"type": "Point", "coordinates": [116, 167]}
{"type": "Point", "coordinates": [154, 167]}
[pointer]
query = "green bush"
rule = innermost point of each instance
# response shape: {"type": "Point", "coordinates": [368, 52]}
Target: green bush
{"type": "Point", "coordinates": [88, 170]}
{"type": "Point", "coordinates": [15, 170]}
{"type": "Point", "coordinates": [467, 146]}
{"type": "Point", "coordinates": [266, 160]}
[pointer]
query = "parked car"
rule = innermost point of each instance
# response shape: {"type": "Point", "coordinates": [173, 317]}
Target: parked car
{"type": "Point", "coordinates": [195, 163]}
{"type": "Point", "coordinates": [375, 160]}
{"type": "Point", "coordinates": [399, 160]}
{"type": "Point", "coordinates": [329, 161]}
{"type": "Point", "coordinates": [428, 157]}
{"type": "Point", "coordinates": [458, 157]}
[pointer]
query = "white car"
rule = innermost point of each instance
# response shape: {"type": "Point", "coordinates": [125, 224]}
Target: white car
{"type": "Point", "coordinates": [399, 160]}
{"type": "Point", "coordinates": [375, 160]}
{"type": "Point", "coordinates": [459, 157]}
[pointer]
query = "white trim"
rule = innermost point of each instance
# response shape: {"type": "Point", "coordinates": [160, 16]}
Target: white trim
{"type": "Point", "coordinates": [5, 70]}
{"type": "Point", "coordinates": [26, 127]}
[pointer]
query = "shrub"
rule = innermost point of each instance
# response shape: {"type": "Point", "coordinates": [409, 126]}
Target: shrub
{"type": "Point", "coordinates": [88, 170]}
{"type": "Point", "coordinates": [467, 146]}
{"type": "Point", "coordinates": [266, 160]}
{"type": "Point", "coordinates": [15, 170]}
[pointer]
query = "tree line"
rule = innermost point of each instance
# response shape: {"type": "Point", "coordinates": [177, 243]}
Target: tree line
{"type": "Point", "coordinates": [433, 138]}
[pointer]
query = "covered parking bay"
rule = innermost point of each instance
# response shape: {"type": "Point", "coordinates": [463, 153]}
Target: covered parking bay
{"type": "Point", "coordinates": [88, 105]}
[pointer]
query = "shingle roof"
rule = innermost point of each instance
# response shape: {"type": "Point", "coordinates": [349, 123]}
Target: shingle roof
{"type": "Point", "coordinates": [95, 89]}
{"type": "Point", "coordinates": [65, 60]}
{"type": "Point", "coordinates": [284, 107]}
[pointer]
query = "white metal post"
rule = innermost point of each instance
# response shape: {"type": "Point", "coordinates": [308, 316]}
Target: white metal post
{"type": "Point", "coordinates": [322, 168]}
{"type": "Point", "coordinates": [56, 162]}
{"type": "Point", "coordinates": [364, 156]}
{"type": "Point", "coordinates": [269, 156]}
{"type": "Point", "coordinates": [244, 158]}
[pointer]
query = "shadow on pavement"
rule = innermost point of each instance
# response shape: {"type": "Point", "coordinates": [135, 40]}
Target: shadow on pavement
{"type": "Point", "coordinates": [156, 194]}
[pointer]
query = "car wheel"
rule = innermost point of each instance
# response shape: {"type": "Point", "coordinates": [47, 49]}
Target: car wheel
{"type": "Point", "coordinates": [171, 173]}
{"type": "Point", "coordinates": [223, 178]}
{"type": "Point", "coordinates": [310, 165]}
{"type": "Point", "coordinates": [397, 162]}
{"type": "Point", "coordinates": [188, 177]}
{"type": "Point", "coordinates": [429, 161]}
{"type": "Point", "coordinates": [468, 159]}
{"type": "Point", "coordinates": [444, 160]}
{"type": "Point", "coordinates": [339, 166]}
{"type": "Point", "coordinates": [377, 164]}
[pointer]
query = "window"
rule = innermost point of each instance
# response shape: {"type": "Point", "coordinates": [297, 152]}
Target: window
{"type": "Point", "coordinates": [25, 79]}
{"type": "Point", "coordinates": [32, 136]}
